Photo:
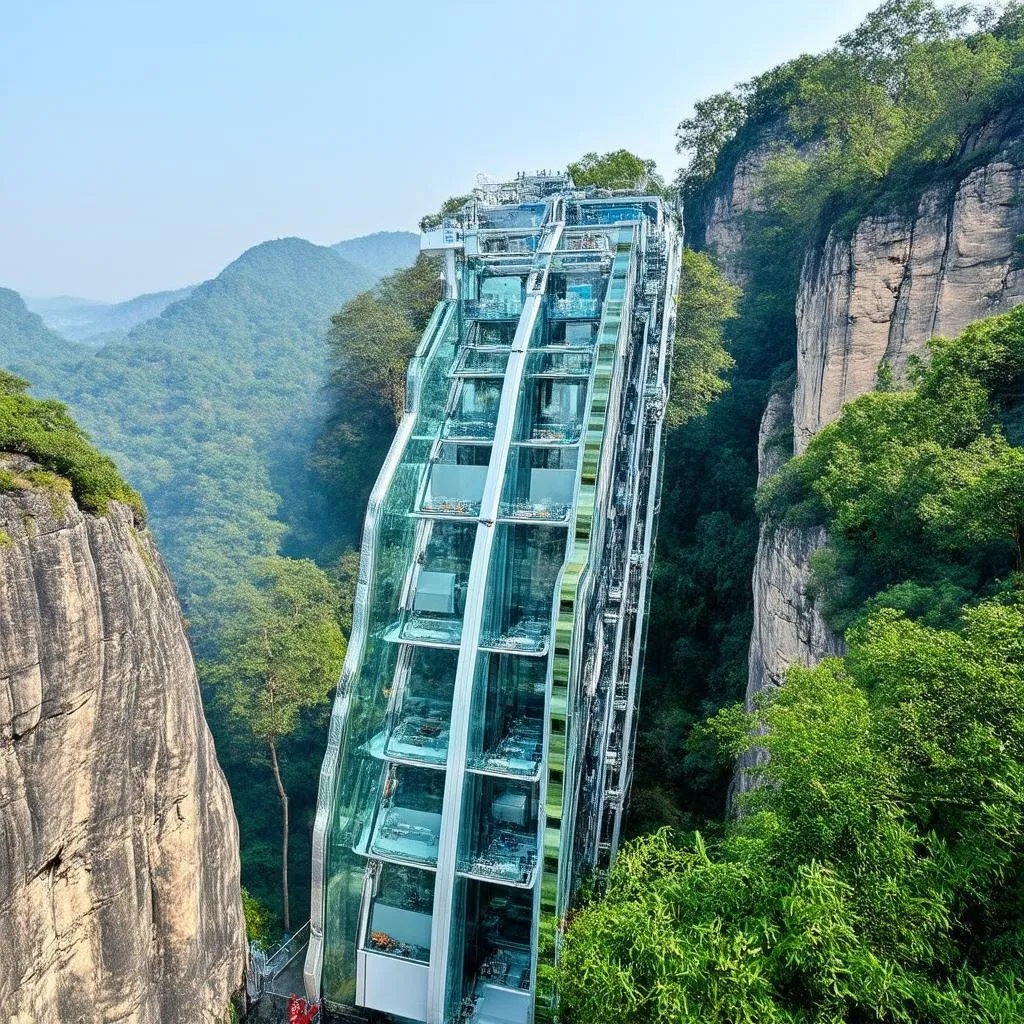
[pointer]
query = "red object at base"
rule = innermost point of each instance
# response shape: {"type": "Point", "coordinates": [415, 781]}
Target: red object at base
{"type": "Point", "coordinates": [300, 1012]}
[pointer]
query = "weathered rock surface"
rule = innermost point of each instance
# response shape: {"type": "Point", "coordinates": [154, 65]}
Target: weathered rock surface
{"type": "Point", "coordinates": [878, 296]}
{"type": "Point", "coordinates": [119, 872]}
{"type": "Point", "coordinates": [723, 227]}
{"type": "Point", "coordinates": [899, 282]}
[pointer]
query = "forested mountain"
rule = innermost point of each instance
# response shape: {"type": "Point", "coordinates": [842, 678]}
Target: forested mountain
{"type": "Point", "coordinates": [26, 343]}
{"type": "Point", "coordinates": [211, 410]}
{"type": "Point", "coordinates": [100, 323]}
{"type": "Point", "coordinates": [383, 252]}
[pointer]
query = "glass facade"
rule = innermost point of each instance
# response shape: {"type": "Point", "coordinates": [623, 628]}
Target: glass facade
{"type": "Point", "coordinates": [452, 826]}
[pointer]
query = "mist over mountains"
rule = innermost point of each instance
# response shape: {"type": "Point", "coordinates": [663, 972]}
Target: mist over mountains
{"type": "Point", "coordinates": [210, 404]}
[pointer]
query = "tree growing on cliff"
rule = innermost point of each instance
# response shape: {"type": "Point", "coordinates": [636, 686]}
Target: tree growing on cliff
{"type": "Point", "coordinates": [706, 301]}
{"type": "Point", "coordinates": [280, 655]}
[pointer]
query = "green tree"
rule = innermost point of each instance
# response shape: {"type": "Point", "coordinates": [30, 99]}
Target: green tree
{"type": "Point", "coordinates": [372, 344]}
{"type": "Point", "coordinates": [699, 361]}
{"type": "Point", "coordinates": [980, 496]}
{"type": "Point", "coordinates": [617, 170]}
{"type": "Point", "coordinates": [279, 656]}
{"type": "Point", "coordinates": [875, 875]}
{"type": "Point", "coordinates": [44, 431]}
{"type": "Point", "coordinates": [715, 122]}
{"type": "Point", "coordinates": [371, 341]}
{"type": "Point", "coordinates": [257, 919]}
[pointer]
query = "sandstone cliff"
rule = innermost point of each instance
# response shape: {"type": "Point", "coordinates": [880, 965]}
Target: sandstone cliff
{"type": "Point", "coordinates": [119, 872]}
{"type": "Point", "coordinates": [877, 296]}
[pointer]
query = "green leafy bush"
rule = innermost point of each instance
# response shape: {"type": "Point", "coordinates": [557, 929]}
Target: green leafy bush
{"type": "Point", "coordinates": [874, 876]}
{"type": "Point", "coordinates": [920, 489]}
{"type": "Point", "coordinates": [45, 432]}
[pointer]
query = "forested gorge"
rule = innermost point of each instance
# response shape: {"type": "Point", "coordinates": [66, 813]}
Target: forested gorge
{"type": "Point", "coordinates": [873, 871]}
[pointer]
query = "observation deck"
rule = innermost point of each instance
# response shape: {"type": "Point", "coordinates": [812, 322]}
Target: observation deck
{"type": "Point", "coordinates": [481, 739]}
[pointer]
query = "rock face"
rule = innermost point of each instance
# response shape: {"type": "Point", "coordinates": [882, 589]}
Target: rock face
{"type": "Point", "coordinates": [723, 228]}
{"type": "Point", "coordinates": [898, 282]}
{"type": "Point", "coordinates": [878, 296]}
{"type": "Point", "coordinates": [119, 872]}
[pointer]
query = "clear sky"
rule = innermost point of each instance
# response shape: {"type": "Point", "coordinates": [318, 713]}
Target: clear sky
{"type": "Point", "coordinates": [145, 144]}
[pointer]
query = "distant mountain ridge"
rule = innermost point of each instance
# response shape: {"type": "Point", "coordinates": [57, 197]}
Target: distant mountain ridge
{"type": "Point", "coordinates": [96, 322]}
{"type": "Point", "coordinates": [209, 407]}
{"type": "Point", "coordinates": [27, 346]}
{"type": "Point", "coordinates": [383, 252]}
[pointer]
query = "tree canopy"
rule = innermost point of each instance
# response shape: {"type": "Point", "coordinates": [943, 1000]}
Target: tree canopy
{"type": "Point", "coordinates": [280, 653]}
{"type": "Point", "coordinates": [874, 875]}
{"type": "Point", "coordinates": [619, 169]}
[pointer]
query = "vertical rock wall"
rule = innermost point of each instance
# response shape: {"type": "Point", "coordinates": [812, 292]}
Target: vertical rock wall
{"type": "Point", "coordinates": [119, 871]}
{"type": "Point", "coordinates": [878, 296]}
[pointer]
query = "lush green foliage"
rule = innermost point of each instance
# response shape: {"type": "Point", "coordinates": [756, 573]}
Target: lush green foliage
{"type": "Point", "coordinates": [279, 656]}
{"type": "Point", "coordinates": [258, 920]}
{"type": "Point", "coordinates": [868, 123]}
{"type": "Point", "coordinates": [894, 108]}
{"type": "Point", "coordinates": [706, 301]}
{"type": "Point", "coordinates": [371, 339]}
{"type": "Point", "coordinates": [45, 432]}
{"type": "Point", "coordinates": [922, 490]}
{"type": "Point", "coordinates": [617, 170]}
{"type": "Point", "coordinates": [876, 873]}
{"type": "Point", "coordinates": [448, 207]}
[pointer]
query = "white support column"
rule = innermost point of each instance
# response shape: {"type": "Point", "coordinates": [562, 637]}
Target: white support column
{"type": "Point", "coordinates": [458, 740]}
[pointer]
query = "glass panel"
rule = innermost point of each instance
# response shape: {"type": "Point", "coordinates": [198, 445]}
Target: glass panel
{"type": "Point", "coordinates": [498, 837]}
{"type": "Point", "coordinates": [554, 410]}
{"type": "Point", "coordinates": [456, 481]}
{"type": "Point", "coordinates": [439, 579]}
{"type": "Point", "coordinates": [391, 534]}
{"type": "Point", "coordinates": [476, 409]}
{"type": "Point", "coordinates": [574, 296]}
{"type": "Point", "coordinates": [400, 915]}
{"type": "Point", "coordinates": [570, 364]}
{"type": "Point", "coordinates": [571, 334]}
{"type": "Point", "coordinates": [525, 215]}
{"type": "Point", "coordinates": [540, 483]}
{"type": "Point", "coordinates": [408, 822]}
{"type": "Point", "coordinates": [525, 561]}
{"type": "Point", "coordinates": [420, 707]}
{"type": "Point", "coordinates": [496, 954]}
{"type": "Point", "coordinates": [510, 243]}
{"type": "Point", "coordinates": [498, 298]}
{"type": "Point", "coordinates": [488, 335]}
{"type": "Point", "coordinates": [506, 723]}
{"type": "Point", "coordinates": [584, 241]}
{"type": "Point", "coordinates": [483, 360]}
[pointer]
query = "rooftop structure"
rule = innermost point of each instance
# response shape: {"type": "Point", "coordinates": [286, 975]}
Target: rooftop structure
{"type": "Point", "coordinates": [480, 747]}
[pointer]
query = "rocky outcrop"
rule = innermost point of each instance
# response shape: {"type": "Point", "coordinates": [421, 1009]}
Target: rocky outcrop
{"type": "Point", "coordinates": [119, 872]}
{"type": "Point", "coordinates": [877, 296]}
{"type": "Point", "coordinates": [727, 208]}
{"type": "Point", "coordinates": [898, 281]}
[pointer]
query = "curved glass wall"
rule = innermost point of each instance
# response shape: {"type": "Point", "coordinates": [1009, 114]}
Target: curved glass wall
{"type": "Point", "coordinates": [366, 687]}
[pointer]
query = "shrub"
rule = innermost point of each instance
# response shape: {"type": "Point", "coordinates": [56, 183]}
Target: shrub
{"type": "Point", "coordinates": [43, 430]}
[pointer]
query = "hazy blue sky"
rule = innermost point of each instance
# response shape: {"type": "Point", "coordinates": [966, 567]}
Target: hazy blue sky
{"type": "Point", "coordinates": [146, 144]}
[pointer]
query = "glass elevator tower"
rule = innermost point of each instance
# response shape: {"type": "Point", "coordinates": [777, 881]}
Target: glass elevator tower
{"type": "Point", "coordinates": [481, 741]}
